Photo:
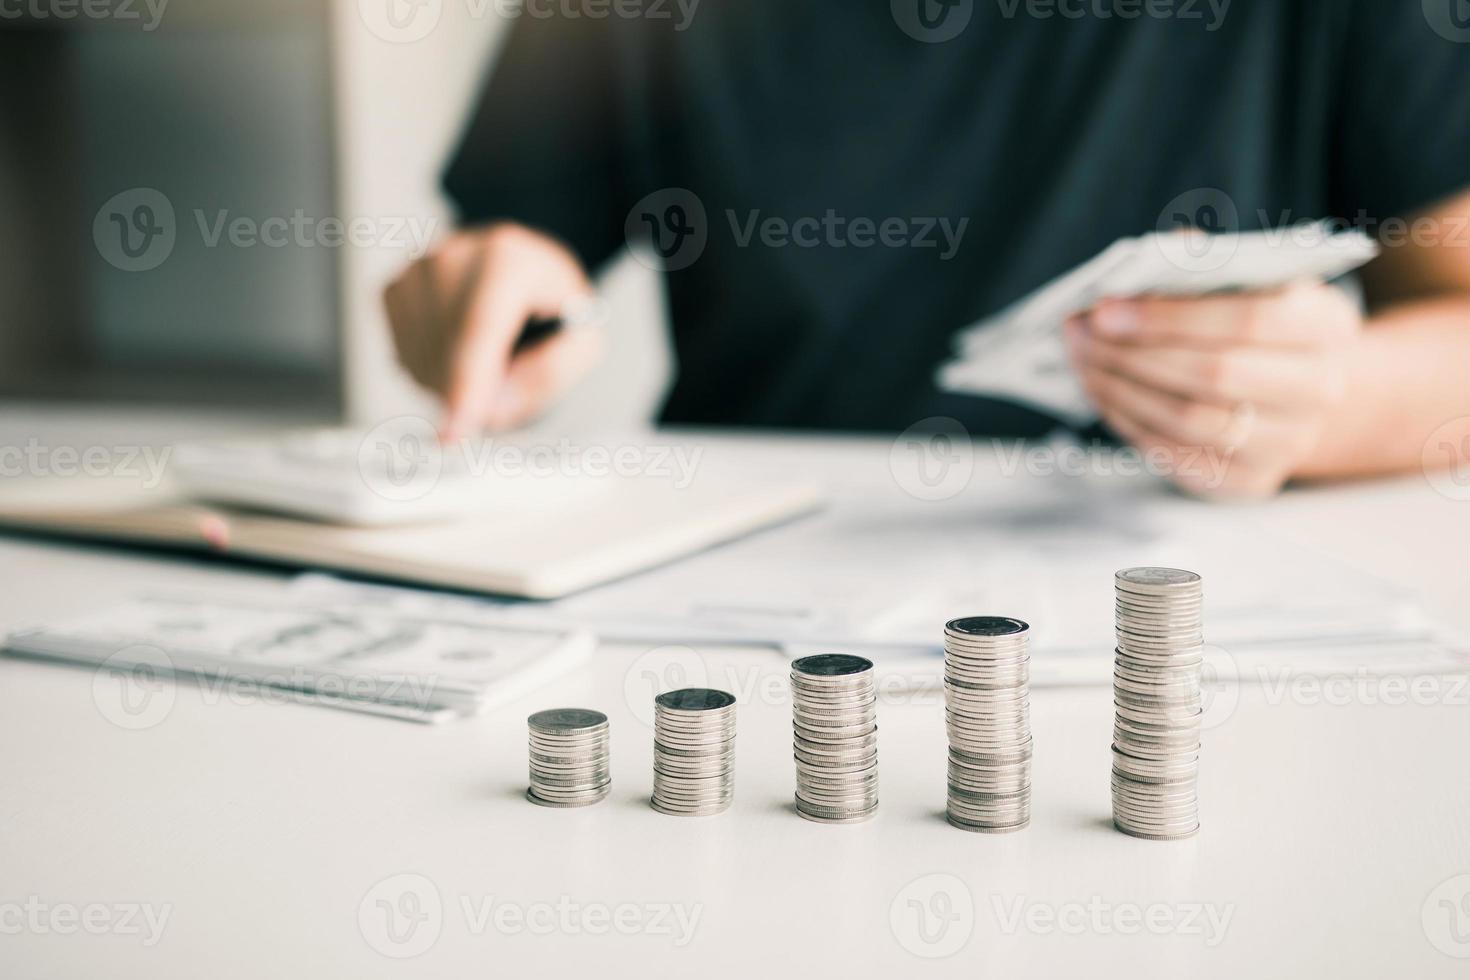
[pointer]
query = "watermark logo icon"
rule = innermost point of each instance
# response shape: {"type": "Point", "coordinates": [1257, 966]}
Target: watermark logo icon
{"type": "Point", "coordinates": [1446, 459]}
{"type": "Point", "coordinates": [675, 225]}
{"type": "Point", "coordinates": [401, 21]}
{"type": "Point", "coordinates": [401, 916]}
{"type": "Point", "coordinates": [933, 460]}
{"type": "Point", "coordinates": [401, 459]}
{"type": "Point", "coordinates": [134, 688]}
{"type": "Point", "coordinates": [135, 230]}
{"type": "Point", "coordinates": [1450, 19]}
{"type": "Point", "coordinates": [668, 668]}
{"type": "Point", "coordinates": [933, 917]}
{"type": "Point", "coordinates": [1446, 917]}
{"type": "Point", "coordinates": [932, 21]}
{"type": "Point", "coordinates": [1219, 687]}
{"type": "Point", "coordinates": [1197, 230]}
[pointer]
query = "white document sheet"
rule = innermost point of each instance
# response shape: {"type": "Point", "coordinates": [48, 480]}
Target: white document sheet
{"type": "Point", "coordinates": [882, 578]}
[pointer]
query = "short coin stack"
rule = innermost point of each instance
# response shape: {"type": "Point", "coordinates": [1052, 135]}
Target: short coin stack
{"type": "Point", "coordinates": [986, 676]}
{"type": "Point", "coordinates": [569, 757]}
{"type": "Point", "coordinates": [1156, 691]}
{"type": "Point", "coordinates": [835, 724]}
{"type": "Point", "coordinates": [693, 752]}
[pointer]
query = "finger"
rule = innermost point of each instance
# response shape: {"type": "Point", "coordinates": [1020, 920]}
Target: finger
{"type": "Point", "coordinates": [1202, 472]}
{"type": "Point", "coordinates": [1309, 316]}
{"type": "Point", "coordinates": [1264, 376]}
{"type": "Point", "coordinates": [1185, 422]}
{"type": "Point", "coordinates": [1244, 463]}
{"type": "Point", "coordinates": [477, 361]}
{"type": "Point", "coordinates": [540, 374]}
{"type": "Point", "coordinates": [513, 283]}
{"type": "Point", "coordinates": [1154, 446]}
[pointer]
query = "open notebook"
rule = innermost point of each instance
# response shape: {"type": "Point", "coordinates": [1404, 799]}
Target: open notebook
{"type": "Point", "coordinates": [540, 550]}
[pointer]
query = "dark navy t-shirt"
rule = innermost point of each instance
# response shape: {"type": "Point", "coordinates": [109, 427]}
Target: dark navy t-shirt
{"type": "Point", "coordinates": [841, 185]}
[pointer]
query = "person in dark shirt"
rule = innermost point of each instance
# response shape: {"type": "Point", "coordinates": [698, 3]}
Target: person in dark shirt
{"type": "Point", "coordinates": [836, 189]}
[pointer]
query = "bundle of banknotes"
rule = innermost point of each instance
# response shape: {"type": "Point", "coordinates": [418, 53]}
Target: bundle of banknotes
{"type": "Point", "coordinates": [331, 652]}
{"type": "Point", "coordinates": [1020, 354]}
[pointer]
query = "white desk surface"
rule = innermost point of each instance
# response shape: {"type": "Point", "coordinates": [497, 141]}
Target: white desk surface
{"type": "Point", "coordinates": [263, 830]}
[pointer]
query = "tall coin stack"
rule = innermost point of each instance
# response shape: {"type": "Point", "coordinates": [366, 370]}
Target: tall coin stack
{"type": "Point", "coordinates": [1156, 691]}
{"type": "Point", "coordinates": [569, 757]}
{"type": "Point", "coordinates": [835, 726]}
{"type": "Point", "coordinates": [987, 670]}
{"type": "Point", "coordinates": [693, 752]}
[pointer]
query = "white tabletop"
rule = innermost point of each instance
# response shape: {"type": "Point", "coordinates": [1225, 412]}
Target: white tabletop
{"type": "Point", "coordinates": [247, 839]}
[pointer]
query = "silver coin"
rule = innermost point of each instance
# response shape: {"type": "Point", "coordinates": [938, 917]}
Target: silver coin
{"type": "Point", "coordinates": [563, 720]}
{"type": "Point", "coordinates": [835, 807]}
{"type": "Point", "coordinates": [840, 751]}
{"type": "Point", "coordinates": [564, 771]}
{"type": "Point", "coordinates": [1154, 580]}
{"type": "Point", "coordinates": [977, 828]}
{"type": "Point", "coordinates": [818, 817]}
{"type": "Point", "coordinates": [986, 626]}
{"type": "Point", "coordinates": [831, 665]}
{"type": "Point", "coordinates": [565, 804]}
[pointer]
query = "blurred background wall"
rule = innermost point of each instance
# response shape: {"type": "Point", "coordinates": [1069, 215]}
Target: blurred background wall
{"type": "Point", "coordinates": [200, 112]}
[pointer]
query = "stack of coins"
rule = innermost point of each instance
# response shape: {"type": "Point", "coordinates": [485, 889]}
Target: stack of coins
{"type": "Point", "coordinates": [987, 671]}
{"type": "Point", "coordinates": [569, 758]}
{"type": "Point", "coordinates": [835, 723]}
{"type": "Point", "coordinates": [1156, 690]}
{"type": "Point", "coordinates": [693, 752]}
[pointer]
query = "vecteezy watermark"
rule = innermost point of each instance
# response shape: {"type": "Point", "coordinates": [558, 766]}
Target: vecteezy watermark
{"type": "Point", "coordinates": [1207, 921]}
{"type": "Point", "coordinates": [1446, 459]}
{"type": "Point", "coordinates": [1450, 19]}
{"type": "Point", "coordinates": [1219, 687]}
{"type": "Point", "coordinates": [1445, 917]}
{"type": "Point", "coordinates": [407, 21]}
{"type": "Point", "coordinates": [672, 221]}
{"type": "Point", "coordinates": [1340, 689]}
{"type": "Point", "coordinates": [401, 916]}
{"type": "Point", "coordinates": [675, 225]}
{"type": "Point", "coordinates": [936, 21]}
{"type": "Point", "coordinates": [656, 671]}
{"type": "Point", "coordinates": [35, 916]}
{"type": "Point", "coordinates": [833, 230]}
{"type": "Point", "coordinates": [37, 459]}
{"type": "Point", "coordinates": [137, 230]}
{"type": "Point", "coordinates": [403, 460]}
{"type": "Point", "coordinates": [404, 915]}
{"type": "Point", "coordinates": [1393, 231]}
{"type": "Point", "coordinates": [1205, 467]}
{"type": "Point", "coordinates": [933, 460]}
{"type": "Point", "coordinates": [147, 14]}
{"type": "Point", "coordinates": [933, 916]}
{"type": "Point", "coordinates": [1197, 230]}
{"type": "Point", "coordinates": [301, 230]}
{"type": "Point", "coordinates": [1210, 14]}
{"type": "Point", "coordinates": [134, 688]}
{"type": "Point", "coordinates": [932, 21]}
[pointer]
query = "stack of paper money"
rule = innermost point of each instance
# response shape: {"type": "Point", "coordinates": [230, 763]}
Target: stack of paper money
{"type": "Point", "coordinates": [339, 654]}
{"type": "Point", "coordinates": [1020, 355]}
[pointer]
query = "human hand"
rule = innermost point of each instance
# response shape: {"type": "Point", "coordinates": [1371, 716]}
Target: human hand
{"type": "Point", "coordinates": [1233, 391]}
{"type": "Point", "coordinates": [457, 313]}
